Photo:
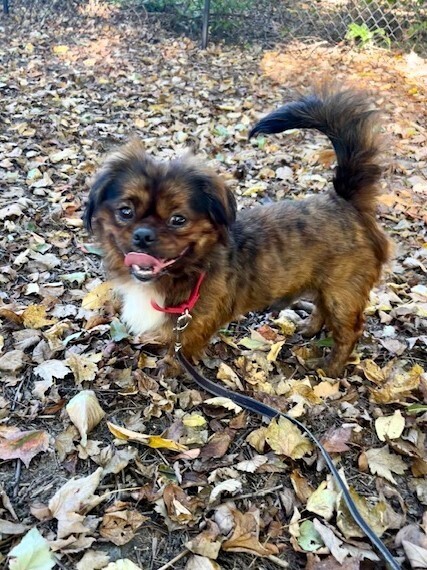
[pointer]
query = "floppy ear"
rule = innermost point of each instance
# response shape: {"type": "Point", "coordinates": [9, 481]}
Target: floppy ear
{"type": "Point", "coordinates": [211, 196]}
{"type": "Point", "coordinates": [104, 187]}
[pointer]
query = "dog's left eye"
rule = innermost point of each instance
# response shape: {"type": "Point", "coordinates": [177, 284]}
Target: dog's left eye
{"type": "Point", "coordinates": [177, 220]}
{"type": "Point", "coordinates": [125, 213]}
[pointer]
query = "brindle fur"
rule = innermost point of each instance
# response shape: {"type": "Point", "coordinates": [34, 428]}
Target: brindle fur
{"type": "Point", "coordinates": [327, 245]}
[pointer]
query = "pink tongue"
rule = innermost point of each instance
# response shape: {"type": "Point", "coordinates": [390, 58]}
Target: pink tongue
{"type": "Point", "coordinates": [142, 260]}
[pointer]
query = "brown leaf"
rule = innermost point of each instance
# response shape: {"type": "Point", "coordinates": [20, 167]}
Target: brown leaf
{"type": "Point", "coordinates": [245, 537]}
{"type": "Point", "coordinates": [119, 523]}
{"type": "Point", "coordinates": [217, 445]}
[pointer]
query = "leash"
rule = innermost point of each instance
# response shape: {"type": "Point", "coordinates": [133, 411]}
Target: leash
{"type": "Point", "coordinates": [262, 409]}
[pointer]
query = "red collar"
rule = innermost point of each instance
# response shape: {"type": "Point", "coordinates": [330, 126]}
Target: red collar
{"type": "Point", "coordinates": [186, 305]}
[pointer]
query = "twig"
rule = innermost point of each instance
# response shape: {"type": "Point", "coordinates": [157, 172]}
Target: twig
{"type": "Point", "coordinates": [258, 493]}
{"type": "Point", "coordinates": [278, 561]}
{"type": "Point", "coordinates": [17, 478]}
{"type": "Point", "coordinates": [176, 559]}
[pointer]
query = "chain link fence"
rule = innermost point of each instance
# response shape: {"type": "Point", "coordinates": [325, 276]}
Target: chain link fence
{"type": "Point", "coordinates": [386, 23]}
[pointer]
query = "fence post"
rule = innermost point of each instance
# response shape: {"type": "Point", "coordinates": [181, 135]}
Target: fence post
{"type": "Point", "coordinates": [205, 29]}
{"type": "Point", "coordinates": [6, 6]}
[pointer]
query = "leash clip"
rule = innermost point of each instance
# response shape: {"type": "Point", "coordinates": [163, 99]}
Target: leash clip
{"type": "Point", "coordinates": [183, 321]}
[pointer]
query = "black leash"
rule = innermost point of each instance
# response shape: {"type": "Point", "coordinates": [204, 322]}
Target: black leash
{"type": "Point", "coordinates": [262, 409]}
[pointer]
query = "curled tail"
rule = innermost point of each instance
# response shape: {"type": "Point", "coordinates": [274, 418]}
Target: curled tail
{"type": "Point", "coordinates": [347, 119]}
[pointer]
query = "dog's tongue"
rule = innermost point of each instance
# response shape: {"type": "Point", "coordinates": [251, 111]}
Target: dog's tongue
{"type": "Point", "coordinates": [142, 260]}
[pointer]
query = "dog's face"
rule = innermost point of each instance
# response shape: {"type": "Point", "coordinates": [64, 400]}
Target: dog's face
{"type": "Point", "coordinates": [153, 218]}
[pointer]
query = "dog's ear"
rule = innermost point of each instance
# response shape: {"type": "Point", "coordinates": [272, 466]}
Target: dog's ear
{"type": "Point", "coordinates": [105, 186]}
{"type": "Point", "coordinates": [211, 196]}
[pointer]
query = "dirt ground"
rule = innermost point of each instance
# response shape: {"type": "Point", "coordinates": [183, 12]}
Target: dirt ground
{"type": "Point", "coordinates": [68, 95]}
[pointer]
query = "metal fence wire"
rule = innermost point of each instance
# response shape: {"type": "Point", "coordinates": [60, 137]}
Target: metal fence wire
{"type": "Point", "coordinates": [387, 23]}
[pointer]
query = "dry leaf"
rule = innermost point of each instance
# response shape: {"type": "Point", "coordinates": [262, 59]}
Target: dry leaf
{"type": "Point", "coordinates": [228, 486]}
{"type": "Point", "coordinates": [196, 562]}
{"type": "Point", "coordinates": [120, 524]}
{"type": "Point", "coordinates": [322, 501]}
{"type": "Point", "coordinates": [34, 317]}
{"type": "Point", "coordinates": [245, 537]}
{"type": "Point", "coordinates": [154, 441]}
{"type": "Point", "coordinates": [381, 462]}
{"type": "Point", "coordinates": [93, 560]}
{"type": "Point", "coordinates": [98, 297]}
{"type": "Point", "coordinates": [32, 553]}
{"type": "Point", "coordinates": [225, 403]}
{"type": "Point", "coordinates": [390, 427]}
{"type": "Point", "coordinates": [84, 369]}
{"type": "Point", "coordinates": [285, 438]}
{"type": "Point", "coordinates": [73, 499]}
{"type": "Point", "coordinates": [85, 412]}
{"type": "Point", "coordinates": [12, 361]}
{"type": "Point", "coordinates": [51, 369]}
{"type": "Point", "coordinates": [24, 445]}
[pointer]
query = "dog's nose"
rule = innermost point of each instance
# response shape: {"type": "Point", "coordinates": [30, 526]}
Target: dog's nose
{"type": "Point", "coordinates": [143, 237]}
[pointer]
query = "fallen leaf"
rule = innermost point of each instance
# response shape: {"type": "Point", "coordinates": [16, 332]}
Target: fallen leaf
{"type": "Point", "coordinates": [34, 317]}
{"type": "Point", "coordinates": [331, 541]}
{"type": "Point", "coordinates": [228, 486]}
{"type": "Point", "coordinates": [245, 537]}
{"type": "Point", "coordinates": [24, 445]}
{"type": "Point", "coordinates": [119, 524]}
{"type": "Point", "coordinates": [85, 412]}
{"type": "Point", "coordinates": [73, 498]}
{"type": "Point", "coordinates": [285, 438]}
{"type": "Point", "coordinates": [322, 501]}
{"type": "Point", "coordinates": [196, 562]}
{"type": "Point", "coordinates": [381, 462]}
{"type": "Point", "coordinates": [154, 441]}
{"type": "Point", "coordinates": [390, 427]}
{"type": "Point", "coordinates": [206, 543]}
{"type": "Point", "coordinates": [416, 555]}
{"type": "Point", "coordinates": [225, 403]}
{"type": "Point", "coordinates": [51, 369]}
{"type": "Point", "coordinates": [12, 361]}
{"type": "Point", "coordinates": [98, 297]}
{"type": "Point", "coordinates": [32, 553]}
{"type": "Point", "coordinates": [93, 560]}
{"type": "Point", "coordinates": [309, 539]}
{"type": "Point", "coordinates": [84, 369]}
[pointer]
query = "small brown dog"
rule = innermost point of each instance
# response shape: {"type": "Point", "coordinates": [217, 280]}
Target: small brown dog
{"type": "Point", "coordinates": [169, 228]}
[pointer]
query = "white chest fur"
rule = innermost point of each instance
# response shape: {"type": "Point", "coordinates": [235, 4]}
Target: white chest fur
{"type": "Point", "coordinates": [137, 313]}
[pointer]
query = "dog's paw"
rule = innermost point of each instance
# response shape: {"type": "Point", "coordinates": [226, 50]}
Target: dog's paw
{"type": "Point", "coordinates": [168, 367]}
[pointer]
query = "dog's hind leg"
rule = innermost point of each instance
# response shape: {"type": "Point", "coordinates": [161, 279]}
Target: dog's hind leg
{"type": "Point", "coordinates": [344, 317]}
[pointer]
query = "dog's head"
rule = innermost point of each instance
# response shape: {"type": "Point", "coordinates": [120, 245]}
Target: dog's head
{"type": "Point", "coordinates": [155, 217]}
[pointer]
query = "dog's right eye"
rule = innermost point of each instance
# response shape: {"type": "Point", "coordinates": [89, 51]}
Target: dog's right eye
{"type": "Point", "coordinates": [125, 213]}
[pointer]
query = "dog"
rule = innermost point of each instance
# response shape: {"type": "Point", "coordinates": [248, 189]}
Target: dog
{"type": "Point", "coordinates": [170, 232]}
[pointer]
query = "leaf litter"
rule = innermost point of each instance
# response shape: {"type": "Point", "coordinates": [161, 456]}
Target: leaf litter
{"type": "Point", "coordinates": [167, 466]}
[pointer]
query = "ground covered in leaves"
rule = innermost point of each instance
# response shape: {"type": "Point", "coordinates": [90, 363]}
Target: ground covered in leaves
{"type": "Point", "coordinates": [101, 460]}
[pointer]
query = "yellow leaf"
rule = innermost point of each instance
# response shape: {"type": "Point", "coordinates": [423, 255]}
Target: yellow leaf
{"type": "Point", "coordinates": [157, 442]}
{"type": "Point", "coordinates": [285, 438]}
{"type": "Point", "coordinates": [60, 49]}
{"type": "Point", "coordinates": [154, 441]}
{"type": "Point", "coordinates": [193, 420]}
{"type": "Point", "coordinates": [98, 297]}
{"type": "Point", "coordinates": [84, 369]}
{"type": "Point", "coordinates": [256, 189]}
{"type": "Point", "coordinates": [34, 317]}
{"type": "Point", "coordinates": [257, 439]}
{"type": "Point", "coordinates": [274, 351]}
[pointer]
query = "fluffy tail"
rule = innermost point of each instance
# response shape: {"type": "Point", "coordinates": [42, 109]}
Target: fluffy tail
{"type": "Point", "coordinates": [346, 117]}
